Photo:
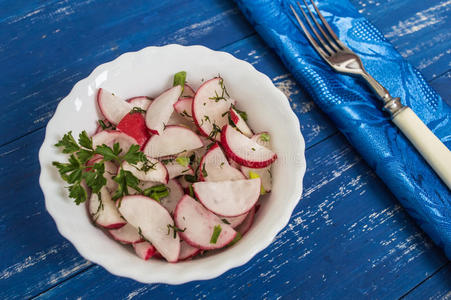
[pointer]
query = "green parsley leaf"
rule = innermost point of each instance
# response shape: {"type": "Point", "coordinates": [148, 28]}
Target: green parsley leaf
{"type": "Point", "coordinates": [225, 221]}
{"type": "Point", "coordinates": [190, 178]}
{"type": "Point", "coordinates": [133, 155]}
{"type": "Point", "coordinates": [85, 155]}
{"type": "Point", "coordinates": [68, 143]}
{"type": "Point", "coordinates": [136, 110]}
{"type": "Point", "coordinates": [107, 153]}
{"type": "Point", "coordinates": [175, 229]}
{"type": "Point", "coordinates": [216, 232]}
{"type": "Point", "coordinates": [78, 193]}
{"type": "Point", "coordinates": [204, 172]}
{"type": "Point", "coordinates": [84, 140]}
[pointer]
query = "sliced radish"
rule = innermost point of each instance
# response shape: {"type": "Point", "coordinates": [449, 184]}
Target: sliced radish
{"type": "Point", "coordinates": [210, 106]}
{"type": "Point", "coordinates": [215, 167]}
{"type": "Point", "coordinates": [245, 151]}
{"type": "Point", "coordinates": [144, 250]}
{"type": "Point", "coordinates": [244, 227]}
{"type": "Point", "coordinates": [175, 169]}
{"type": "Point", "coordinates": [199, 225]}
{"type": "Point", "coordinates": [184, 108]}
{"type": "Point", "coordinates": [175, 194]}
{"type": "Point", "coordinates": [104, 211]}
{"type": "Point", "coordinates": [127, 234]}
{"type": "Point", "coordinates": [234, 164]}
{"type": "Point", "coordinates": [174, 139]}
{"type": "Point", "coordinates": [187, 251]}
{"type": "Point", "coordinates": [153, 170]}
{"type": "Point", "coordinates": [153, 221]}
{"type": "Point", "coordinates": [110, 137]}
{"type": "Point", "coordinates": [134, 125]}
{"type": "Point", "coordinates": [263, 139]}
{"type": "Point", "coordinates": [234, 221]}
{"type": "Point", "coordinates": [160, 110]}
{"type": "Point", "coordinates": [176, 119]}
{"type": "Point", "coordinates": [112, 107]}
{"type": "Point", "coordinates": [183, 182]}
{"type": "Point", "coordinates": [228, 198]}
{"type": "Point", "coordinates": [240, 123]}
{"type": "Point", "coordinates": [188, 91]}
{"type": "Point", "coordinates": [142, 102]}
{"type": "Point", "coordinates": [263, 173]}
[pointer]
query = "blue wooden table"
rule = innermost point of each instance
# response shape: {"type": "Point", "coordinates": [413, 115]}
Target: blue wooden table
{"type": "Point", "coordinates": [347, 238]}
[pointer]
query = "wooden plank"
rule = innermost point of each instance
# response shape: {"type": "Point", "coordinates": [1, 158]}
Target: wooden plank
{"type": "Point", "coordinates": [47, 47]}
{"type": "Point", "coordinates": [435, 287]}
{"type": "Point", "coordinates": [347, 238]}
{"type": "Point", "coordinates": [25, 264]}
{"type": "Point", "coordinates": [34, 255]}
{"type": "Point", "coordinates": [419, 30]}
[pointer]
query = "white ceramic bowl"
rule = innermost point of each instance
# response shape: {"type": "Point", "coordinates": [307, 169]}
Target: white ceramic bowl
{"type": "Point", "coordinates": [147, 72]}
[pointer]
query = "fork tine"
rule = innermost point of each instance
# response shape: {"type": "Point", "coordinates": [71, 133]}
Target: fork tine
{"type": "Point", "coordinates": [312, 27]}
{"type": "Point", "coordinates": [329, 29]}
{"type": "Point", "coordinates": [320, 50]}
{"type": "Point", "coordinates": [331, 42]}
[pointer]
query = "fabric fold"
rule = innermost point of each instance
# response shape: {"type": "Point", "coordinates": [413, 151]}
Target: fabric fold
{"type": "Point", "coordinates": [357, 112]}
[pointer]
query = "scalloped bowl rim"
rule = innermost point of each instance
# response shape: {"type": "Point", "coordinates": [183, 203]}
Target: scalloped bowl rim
{"type": "Point", "coordinates": [188, 271]}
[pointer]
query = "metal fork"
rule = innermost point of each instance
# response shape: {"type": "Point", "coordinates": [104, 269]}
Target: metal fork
{"type": "Point", "coordinates": [344, 60]}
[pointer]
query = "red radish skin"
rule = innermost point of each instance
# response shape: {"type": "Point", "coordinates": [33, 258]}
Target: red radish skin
{"type": "Point", "coordinates": [245, 151]}
{"type": "Point", "coordinates": [173, 140]}
{"type": "Point", "coordinates": [160, 110]}
{"type": "Point", "coordinates": [239, 122]}
{"type": "Point", "coordinates": [134, 125]}
{"type": "Point", "coordinates": [206, 111]}
{"type": "Point", "coordinates": [228, 198]}
{"type": "Point", "coordinates": [175, 194]}
{"type": "Point", "coordinates": [142, 102]}
{"type": "Point", "coordinates": [244, 227]}
{"type": "Point", "coordinates": [105, 213]}
{"type": "Point", "coordinates": [215, 165]}
{"type": "Point", "coordinates": [188, 91]}
{"type": "Point", "coordinates": [127, 234]}
{"type": "Point", "coordinates": [144, 250]}
{"type": "Point", "coordinates": [158, 173]}
{"type": "Point", "coordinates": [200, 224]}
{"type": "Point", "coordinates": [152, 220]}
{"type": "Point", "coordinates": [112, 107]}
{"type": "Point", "coordinates": [187, 251]}
{"type": "Point", "coordinates": [184, 108]}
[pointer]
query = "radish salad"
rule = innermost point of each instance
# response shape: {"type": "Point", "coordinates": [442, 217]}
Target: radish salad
{"type": "Point", "coordinates": [173, 176]}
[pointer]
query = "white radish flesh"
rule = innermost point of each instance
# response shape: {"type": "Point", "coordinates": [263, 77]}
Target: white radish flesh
{"type": "Point", "coordinates": [187, 251]}
{"type": "Point", "coordinates": [153, 170]}
{"type": "Point", "coordinates": [144, 250]}
{"type": "Point", "coordinates": [188, 91]}
{"type": "Point", "coordinates": [199, 225]}
{"type": "Point", "coordinates": [104, 212]}
{"type": "Point", "coordinates": [184, 108]}
{"type": "Point", "coordinates": [142, 102]}
{"type": "Point", "coordinates": [228, 198]}
{"type": "Point", "coordinates": [215, 167]}
{"type": "Point", "coordinates": [263, 173]}
{"type": "Point", "coordinates": [245, 151]}
{"type": "Point", "coordinates": [160, 110]}
{"type": "Point", "coordinates": [175, 169]}
{"type": "Point", "coordinates": [210, 106]}
{"type": "Point", "coordinates": [174, 139]}
{"type": "Point", "coordinates": [127, 234]}
{"type": "Point", "coordinates": [175, 194]}
{"type": "Point", "coordinates": [153, 221]}
{"type": "Point", "coordinates": [244, 227]}
{"type": "Point", "coordinates": [112, 107]}
{"type": "Point", "coordinates": [240, 123]}
{"type": "Point", "coordinates": [234, 221]}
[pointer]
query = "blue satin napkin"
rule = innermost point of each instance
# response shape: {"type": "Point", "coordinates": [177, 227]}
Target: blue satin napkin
{"type": "Point", "coordinates": [357, 112]}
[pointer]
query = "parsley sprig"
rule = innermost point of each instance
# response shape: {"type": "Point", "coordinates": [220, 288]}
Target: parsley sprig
{"type": "Point", "coordinates": [79, 167]}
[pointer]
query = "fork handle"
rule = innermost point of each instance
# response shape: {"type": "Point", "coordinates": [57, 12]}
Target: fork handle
{"type": "Point", "coordinates": [431, 148]}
